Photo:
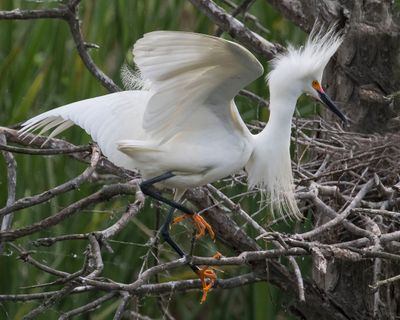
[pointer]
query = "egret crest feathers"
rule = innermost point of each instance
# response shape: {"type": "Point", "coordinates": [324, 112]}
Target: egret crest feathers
{"type": "Point", "coordinates": [312, 58]}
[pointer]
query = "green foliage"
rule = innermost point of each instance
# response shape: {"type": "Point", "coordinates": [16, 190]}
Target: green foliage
{"type": "Point", "coordinates": [39, 70]}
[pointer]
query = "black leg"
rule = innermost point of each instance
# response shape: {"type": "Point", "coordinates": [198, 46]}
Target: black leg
{"type": "Point", "coordinates": [167, 237]}
{"type": "Point", "coordinates": [146, 187]}
{"type": "Point", "coordinates": [207, 276]}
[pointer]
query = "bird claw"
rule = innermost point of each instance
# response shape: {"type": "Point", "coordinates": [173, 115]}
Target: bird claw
{"type": "Point", "coordinates": [200, 224]}
{"type": "Point", "coordinates": [218, 255]}
{"type": "Point", "coordinates": [207, 277]}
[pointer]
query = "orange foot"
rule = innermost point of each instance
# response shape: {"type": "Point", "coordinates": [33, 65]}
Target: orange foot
{"type": "Point", "coordinates": [201, 225]}
{"type": "Point", "coordinates": [207, 277]}
{"type": "Point", "coordinates": [218, 255]}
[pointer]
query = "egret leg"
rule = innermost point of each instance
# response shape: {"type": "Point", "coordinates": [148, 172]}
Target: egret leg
{"type": "Point", "coordinates": [207, 276]}
{"type": "Point", "coordinates": [201, 225]}
{"type": "Point", "coordinates": [146, 187]}
{"type": "Point", "coordinates": [167, 238]}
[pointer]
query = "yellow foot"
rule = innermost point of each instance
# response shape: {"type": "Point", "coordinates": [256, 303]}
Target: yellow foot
{"type": "Point", "coordinates": [207, 277]}
{"type": "Point", "coordinates": [218, 255]}
{"type": "Point", "coordinates": [201, 225]}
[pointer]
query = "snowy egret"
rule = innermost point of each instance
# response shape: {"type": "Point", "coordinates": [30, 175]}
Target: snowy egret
{"type": "Point", "coordinates": [182, 129]}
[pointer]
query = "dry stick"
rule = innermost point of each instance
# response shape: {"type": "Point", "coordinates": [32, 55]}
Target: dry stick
{"type": "Point", "coordinates": [259, 100]}
{"type": "Point", "coordinates": [235, 208]}
{"type": "Point", "coordinates": [42, 295]}
{"type": "Point", "coordinates": [49, 241]}
{"type": "Point", "coordinates": [96, 257]}
{"type": "Point", "coordinates": [132, 211]}
{"type": "Point", "coordinates": [33, 314]}
{"type": "Point", "coordinates": [11, 186]}
{"type": "Point", "coordinates": [236, 29]}
{"type": "Point", "coordinates": [139, 286]}
{"type": "Point", "coordinates": [68, 14]}
{"type": "Point", "coordinates": [105, 194]}
{"type": "Point", "coordinates": [146, 275]}
{"type": "Point", "coordinates": [38, 141]}
{"type": "Point", "coordinates": [168, 287]}
{"type": "Point", "coordinates": [138, 316]}
{"type": "Point", "coordinates": [45, 152]}
{"type": "Point", "coordinates": [365, 241]}
{"type": "Point", "coordinates": [26, 257]}
{"type": "Point", "coordinates": [248, 16]}
{"type": "Point", "coordinates": [121, 307]}
{"type": "Point", "coordinates": [341, 218]}
{"type": "Point", "coordinates": [185, 285]}
{"type": "Point", "coordinates": [93, 305]}
{"type": "Point", "coordinates": [374, 212]}
{"type": "Point", "coordinates": [174, 286]}
{"type": "Point", "coordinates": [242, 8]}
{"type": "Point", "coordinates": [380, 283]}
{"type": "Point", "coordinates": [18, 14]}
{"type": "Point", "coordinates": [68, 288]}
{"type": "Point", "coordinates": [65, 187]}
{"type": "Point", "coordinates": [74, 24]}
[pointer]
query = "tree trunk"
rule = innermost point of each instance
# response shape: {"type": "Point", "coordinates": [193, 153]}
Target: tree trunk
{"type": "Point", "coordinates": [364, 79]}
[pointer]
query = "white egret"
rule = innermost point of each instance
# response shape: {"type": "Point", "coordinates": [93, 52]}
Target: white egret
{"type": "Point", "coordinates": [183, 130]}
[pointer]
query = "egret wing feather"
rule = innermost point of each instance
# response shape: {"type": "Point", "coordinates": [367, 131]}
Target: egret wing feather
{"type": "Point", "coordinates": [188, 71]}
{"type": "Point", "coordinates": [107, 119]}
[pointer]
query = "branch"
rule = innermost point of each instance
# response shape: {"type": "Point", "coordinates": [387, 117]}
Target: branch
{"type": "Point", "coordinates": [105, 194]}
{"type": "Point", "coordinates": [58, 144]}
{"type": "Point", "coordinates": [236, 29]}
{"type": "Point", "coordinates": [305, 13]}
{"type": "Point", "coordinates": [47, 152]}
{"type": "Point", "coordinates": [49, 194]}
{"type": "Point", "coordinates": [67, 13]}
{"type": "Point", "coordinates": [11, 164]}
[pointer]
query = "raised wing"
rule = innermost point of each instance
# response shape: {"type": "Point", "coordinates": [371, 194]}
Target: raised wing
{"type": "Point", "coordinates": [188, 71]}
{"type": "Point", "coordinates": [107, 119]}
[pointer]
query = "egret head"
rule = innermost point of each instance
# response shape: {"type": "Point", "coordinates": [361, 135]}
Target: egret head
{"type": "Point", "coordinates": [300, 70]}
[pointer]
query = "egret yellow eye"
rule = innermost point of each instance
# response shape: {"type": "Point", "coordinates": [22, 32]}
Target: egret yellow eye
{"type": "Point", "coordinates": [315, 84]}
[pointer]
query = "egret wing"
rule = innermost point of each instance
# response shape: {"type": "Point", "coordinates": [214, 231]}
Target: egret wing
{"type": "Point", "coordinates": [188, 71]}
{"type": "Point", "coordinates": [107, 119]}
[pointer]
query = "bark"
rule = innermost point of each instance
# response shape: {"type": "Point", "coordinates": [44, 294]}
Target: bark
{"type": "Point", "coordinates": [364, 79]}
{"type": "Point", "coordinates": [318, 304]}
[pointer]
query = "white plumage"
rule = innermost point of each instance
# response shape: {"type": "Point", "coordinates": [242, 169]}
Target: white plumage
{"type": "Point", "coordinates": [186, 121]}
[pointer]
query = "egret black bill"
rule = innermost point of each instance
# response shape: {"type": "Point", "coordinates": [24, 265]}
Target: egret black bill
{"type": "Point", "coordinates": [328, 102]}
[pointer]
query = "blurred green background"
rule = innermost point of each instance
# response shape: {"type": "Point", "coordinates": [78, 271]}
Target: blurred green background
{"type": "Point", "coordinates": [39, 70]}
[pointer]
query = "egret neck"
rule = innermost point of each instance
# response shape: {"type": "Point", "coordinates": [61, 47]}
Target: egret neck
{"type": "Point", "coordinates": [269, 167]}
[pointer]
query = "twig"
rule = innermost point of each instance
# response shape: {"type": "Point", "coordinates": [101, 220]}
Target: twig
{"type": "Point", "coordinates": [31, 151]}
{"type": "Point", "coordinates": [105, 194]}
{"type": "Point", "coordinates": [121, 307]}
{"type": "Point", "coordinates": [132, 211]}
{"type": "Point", "coordinates": [76, 32]}
{"type": "Point", "coordinates": [11, 187]}
{"type": "Point", "coordinates": [243, 7]}
{"type": "Point", "coordinates": [236, 29]}
{"type": "Point", "coordinates": [65, 187]}
{"type": "Point", "coordinates": [259, 100]}
{"type": "Point", "coordinates": [37, 141]}
{"type": "Point", "coordinates": [68, 14]}
{"type": "Point", "coordinates": [88, 307]}
{"type": "Point", "coordinates": [380, 283]}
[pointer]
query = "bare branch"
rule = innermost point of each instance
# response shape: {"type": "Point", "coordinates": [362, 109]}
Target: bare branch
{"type": "Point", "coordinates": [11, 186]}
{"type": "Point", "coordinates": [105, 194]}
{"type": "Point", "coordinates": [236, 29]}
{"type": "Point", "coordinates": [65, 187]}
{"type": "Point", "coordinates": [68, 14]}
